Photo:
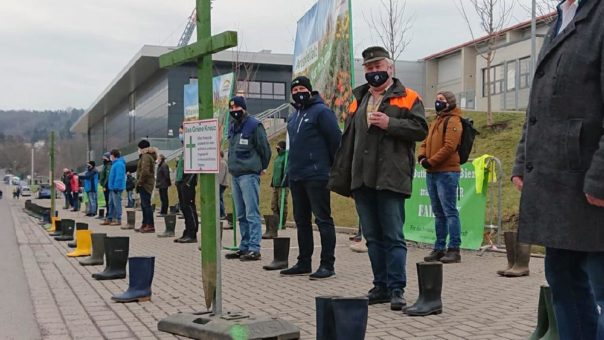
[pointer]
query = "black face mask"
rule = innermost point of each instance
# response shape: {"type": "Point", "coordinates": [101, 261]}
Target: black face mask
{"type": "Point", "coordinates": [236, 115]}
{"type": "Point", "coordinates": [301, 98]}
{"type": "Point", "coordinates": [376, 79]}
{"type": "Point", "coordinates": [440, 105]}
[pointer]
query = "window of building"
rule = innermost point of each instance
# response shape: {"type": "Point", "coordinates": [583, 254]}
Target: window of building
{"type": "Point", "coordinates": [496, 84]}
{"type": "Point", "coordinates": [525, 72]}
{"type": "Point", "coordinates": [511, 76]}
{"type": "Point", "coordinates": [263, 90]}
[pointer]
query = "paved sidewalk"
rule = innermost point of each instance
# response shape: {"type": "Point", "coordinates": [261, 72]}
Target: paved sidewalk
{"type": "Point", "coordinates": [68, 303]}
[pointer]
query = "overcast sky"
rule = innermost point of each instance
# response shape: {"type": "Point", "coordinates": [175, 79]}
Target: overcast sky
{"type": "Point", "coordinates": [63, 53]}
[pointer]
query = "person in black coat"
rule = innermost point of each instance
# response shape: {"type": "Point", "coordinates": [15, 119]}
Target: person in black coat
{"type": "Point", "coordinates": [163, 183]}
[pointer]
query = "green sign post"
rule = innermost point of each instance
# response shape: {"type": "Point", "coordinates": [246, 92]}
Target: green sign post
{"type": "Point", "coordinates": [419, 218]}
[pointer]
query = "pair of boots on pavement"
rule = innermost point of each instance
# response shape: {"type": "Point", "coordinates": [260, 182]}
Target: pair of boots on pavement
{"type": "Point", "coordinates": [518, 254]}
{"type": "Point", "coordinates": [452, 255]}
{"type": "Point", "coordinates": [429, 301]}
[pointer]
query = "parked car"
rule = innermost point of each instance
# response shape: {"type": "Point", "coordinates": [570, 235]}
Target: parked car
{"type": "Point", "coordinates": [16, 180]}
{"type": "Point", "coordinates": [44, 191]}
{"type": "Point", "coordinates": [7, 179]}
{"type": "Point", "coordinates": [25, 190]}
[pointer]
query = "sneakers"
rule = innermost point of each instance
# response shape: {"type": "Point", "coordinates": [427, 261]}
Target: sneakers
{"type": "Point", "coordinates": [452, 256]}
{"type": "Point", "coordinates": [378, 294]}
{"type": "Point", "coordinates": [234, 255]}
{"type": "Point", "coordinates": [397, 301]}
{"type": "Point", "coordinates": [147, 228]}
{"type": "Point", "coordinates": [250, 256]}
{"type": "Point", "coordinates": [434, 256]}
{"type": "Point", "coordinates": [297, 270]}
{"type": "Point", "coordinates": [322, 273]}
{"type": "Point", "coordinates": [358, 247]}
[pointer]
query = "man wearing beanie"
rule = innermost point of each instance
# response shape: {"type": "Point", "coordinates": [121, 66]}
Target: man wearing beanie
{"type": "Point", "coordinates": [438, 155]}
{"type": "Point", "coordinates": [314, 136]}
{"type": "Point", "coordinates": [91, 182]}
{"type": "Point", "coordinates": [103, 179]}
{"type": "Point", "coordinates": [185, 186]}
{"type": "Point", "coordinates": [249, 156]}
{"type": "Point", "coordinates": [145, 183]}
{"type": "Point", "coordinates": [375, 165]}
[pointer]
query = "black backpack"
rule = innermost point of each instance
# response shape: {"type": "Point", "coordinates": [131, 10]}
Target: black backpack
{"type": "Point", "coordinates": [468, 134]}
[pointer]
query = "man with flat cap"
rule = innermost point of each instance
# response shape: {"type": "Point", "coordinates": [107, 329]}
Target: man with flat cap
{"type": "Point", "coordinates": [375, 165]}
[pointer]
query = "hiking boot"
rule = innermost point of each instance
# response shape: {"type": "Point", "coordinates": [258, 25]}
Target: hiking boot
{"type": "Point", "coordinates": [250, 256]}
{"type": "Point", "coordinates": [322, 273]}
{"type": "Point", "coordinates": [106, 222]}
{"type": "Point", "coordinates": [452, 256]}
{"type": "Point", "coordinates": [378, 294]}
{"type": "Point", "coordinates": [234, 255]}
{"type": "Point", "coordinates": [397, 301]}
{"type": "Point", "coordinates": [147, 228]}
{"type": "Point", "coordinates": [296, 270]}
{"type": "Point", "coordinates": [435, 255]}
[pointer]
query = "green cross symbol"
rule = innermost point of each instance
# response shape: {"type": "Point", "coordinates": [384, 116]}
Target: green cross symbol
{"type": "Point", "coordinates": [190, 146]}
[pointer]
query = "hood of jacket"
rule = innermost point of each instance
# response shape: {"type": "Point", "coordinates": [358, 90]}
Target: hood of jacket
{"type": "Point", "coordinates": [151, 151]}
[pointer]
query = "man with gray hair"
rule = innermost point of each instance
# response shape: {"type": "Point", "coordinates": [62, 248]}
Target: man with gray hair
{"type": "Point", "coordinates": [375, 165]}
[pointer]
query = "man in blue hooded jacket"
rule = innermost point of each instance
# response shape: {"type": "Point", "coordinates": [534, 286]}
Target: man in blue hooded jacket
{"type": "Point", "coordinates": [314, 137]}
{"type": "Point", "coordinates": [91, 182]}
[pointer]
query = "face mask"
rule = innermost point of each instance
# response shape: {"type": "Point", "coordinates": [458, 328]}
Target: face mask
{"type": "Point", "coordinates": [237, 115]}
{"type": "Point", "coordinates": [181, 138]}
{"type": "Point", "coordinates": [440, 106]}
{"type": "Point", "coordinates": [90, 167]}
{"type": "Point", "coordinates": [301, 98]}
{"type": "Point", "coordinates": [376, 79]}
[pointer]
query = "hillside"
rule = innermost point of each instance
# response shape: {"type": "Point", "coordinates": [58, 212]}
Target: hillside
{"type": "Point", "coordinates": [34, 126]}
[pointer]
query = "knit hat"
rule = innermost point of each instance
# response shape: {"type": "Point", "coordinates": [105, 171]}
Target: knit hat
{"type": "Point", "coordinates": [92, 163]}
{"type": "Point", "coordinates": [450, 97]}
{"type": "Point", "coordinates": [301, 81]}
{"type": "Point", "coordinates": [238, 101]}
{"type": "Point", "coordinates": [107, 155]}
{"type": "Point", "coordinates": [143, 144]}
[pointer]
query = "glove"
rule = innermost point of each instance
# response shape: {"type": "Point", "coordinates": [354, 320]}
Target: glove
{"type": "Point", "coordinates": [425, 164]}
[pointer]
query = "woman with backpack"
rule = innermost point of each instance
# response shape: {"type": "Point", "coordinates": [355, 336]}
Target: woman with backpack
{"type": "Point", "coordinates": [439, 155]}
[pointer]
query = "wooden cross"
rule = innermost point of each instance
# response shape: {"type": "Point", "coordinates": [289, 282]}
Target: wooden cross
{"type": "Point", "coordinates": [202, 51]}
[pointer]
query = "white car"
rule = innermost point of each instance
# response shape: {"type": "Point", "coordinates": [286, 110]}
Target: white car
{"type": "Point", "coordinates": [25, 190]}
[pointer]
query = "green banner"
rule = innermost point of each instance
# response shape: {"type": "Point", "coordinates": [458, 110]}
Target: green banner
{"type": "Point", "coordinates": [419, 219]}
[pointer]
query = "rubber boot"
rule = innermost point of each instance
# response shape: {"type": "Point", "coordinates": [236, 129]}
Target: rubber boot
{"type": "Point", "coordinates": [173, 209]}
{"type": "Point", "coordinates": [350, 317]}
{"type": "Point", "coordinates": [84, 241]}
{"type": "Point", "coordinates": [229, 219]}
{"type": "Point", "coordinates": [59, 227]}
{"type": "Point", "coordinates": [130, 220]}
{"type": "Point", "coordinates": [552, 329]}
{"type": "Point", "coordinates": [53, 224]}
{"type": "Point", "coordinates": [140, 270]}
{"type": "Point", "coordinates": [271, 227]}
{"type": "Point", "coordinates": [280, 254]}
{"type": "Point", "coordinates": [116, 258]}
{"type": "Point", "coordinates": [326, 329]}
{"type": "Point", "coordinates": [430, 281]}
{"type": "Point", "coordinates": [510, 248]}
{"type": "Point", "coordinates": [101, 214]}
{"type": "Point", "coordinates": [79, 226]}
{"type": "Point", "coordinates": [68, 226]}
{"type": "Point", "coordinates": [98, 250]}
{"type": "Point", "coordinates": [521, 264]}
{"type": "Point", "coordinates": [170, 221]}
{"type": "Point", "coordinates": [542, 319]}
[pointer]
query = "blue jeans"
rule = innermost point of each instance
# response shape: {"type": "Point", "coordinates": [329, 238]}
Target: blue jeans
{"type": "Point", "coordinates": [115, 199]}
{"type": "Point", "coordinates": [146, 207]}
{"type": "Point", "coordinates": [130, 196]}
{"type": "Point", "coordinates": [442, 188]}
{"type": "Point", "coordinates": [246, 194]}
{"type": "Point", "coordinates": [222, 209]}
{"type": "Point", "coordinates": [382, 215]}
{"type": "Point", "coordinates": [92, 202]}
{"type": "Point", "coordinates": [577, 284]}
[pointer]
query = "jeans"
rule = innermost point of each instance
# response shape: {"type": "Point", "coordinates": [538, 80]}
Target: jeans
{"type": "Point", "coordinates": [130, 196]}
{"type": "Point", "coordinates": [313, 197]}
{"type": "Point", "coordinates": [67, 199]}
{"type": "Point", "coordinates": [442, 188]}
{"type": "Point", "coordinates": [115, 205]}
{"type": "Point", "coordinates": [577, 284]}
{"type": "Point", "coordinates": [92, 202]}
{"type": "Point", "coordinates": [246, 194]}
{"type": "Point", "coordinates": [186, 199]}
{"type": "Point", "coordinates": [382, 215]}
{"type": "Point", "coordinates": [163, 197]}
{"type": "Point", "coordinates": [75, 201]}
{"type": "Point", "coordinates": [146, 207]}
{"type": "Point", "coordinates": [222, 209]}
{"type": "Point", "coordinates": [108, 205]}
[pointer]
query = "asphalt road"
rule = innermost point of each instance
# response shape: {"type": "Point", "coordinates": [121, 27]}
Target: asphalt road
{"type": "Point", "coordinates": [17, 319]}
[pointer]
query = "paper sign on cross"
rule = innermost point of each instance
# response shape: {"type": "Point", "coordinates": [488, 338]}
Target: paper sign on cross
{"type": "Point", "coordinates": [202, 51]}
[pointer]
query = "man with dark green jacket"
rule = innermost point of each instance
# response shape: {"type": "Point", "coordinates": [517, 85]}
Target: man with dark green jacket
{"type": "Point", "coordinates": [145, 182]}
{"type": "Point", "coordinates": [249, 156]}
{"type": "Point", "coordinates": [280, 191]}
{"type": "Point", "coordinates": [103, 179]}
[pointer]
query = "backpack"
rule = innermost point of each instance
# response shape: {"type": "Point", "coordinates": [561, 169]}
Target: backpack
{"type": "Point", "coordinates": [129, 183]}
{"type": "Point", "coordinates": [468, 134]}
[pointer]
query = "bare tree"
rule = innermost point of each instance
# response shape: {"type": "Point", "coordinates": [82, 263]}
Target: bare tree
{"type": "Point", "coordinates": [493, 16]}
{"type": "Point", "coordinates": [392, 26]}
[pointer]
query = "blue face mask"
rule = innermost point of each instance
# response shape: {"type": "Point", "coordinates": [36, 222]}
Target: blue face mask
{"type": "Point", "coordinates": [440, 105]}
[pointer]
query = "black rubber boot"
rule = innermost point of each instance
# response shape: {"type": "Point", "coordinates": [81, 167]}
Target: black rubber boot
{"type": "Point", "coordinates": [280, 254]}
{"type": "Point", "coordinates": [430, 280]}
{"type": "Point", "coordinates": [510, 249]}
{"type": "Point", "coordinates": [326, 328]}
{"type": "Point", "coordinates": [170, 221]}
{"type": "Point", "coordinates": [542, 317]}
{"type": "Point", "coordinates": [116, 258]}
{"type": "Point", "coordinates": [350, 317]}
{"type": "Point", "coordinates": [130, 220]}
{"type": "Point", "coordinates": [271, 222]}
{"type": "Point", "coordinates": [79, 226]}
{"type": "Point", "coordinates": [59, 227]}
{"type": "Point", "coordinates": [98, 251]}
{"type": "Point", "coordinates": [67, 229]}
